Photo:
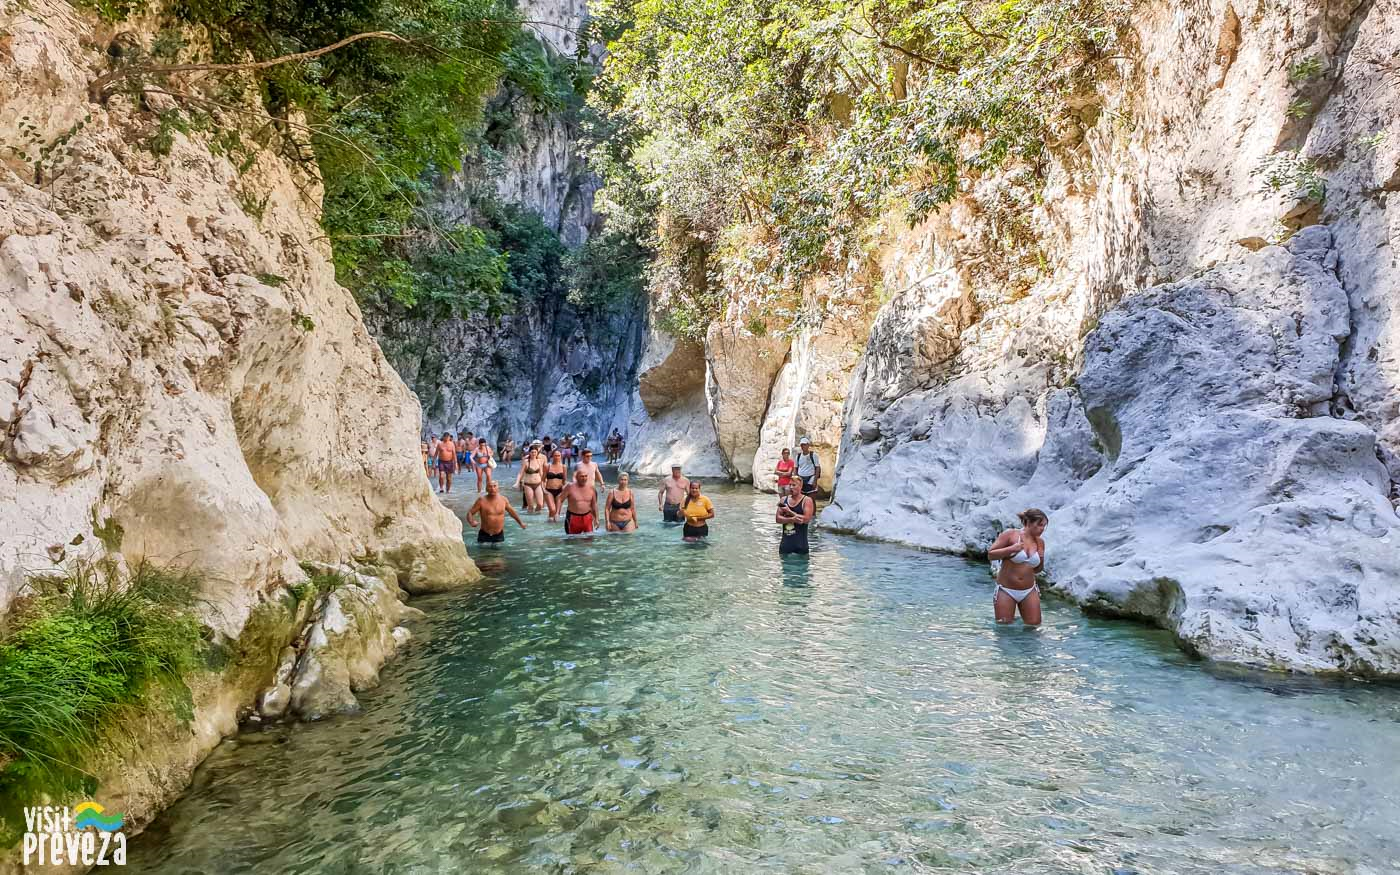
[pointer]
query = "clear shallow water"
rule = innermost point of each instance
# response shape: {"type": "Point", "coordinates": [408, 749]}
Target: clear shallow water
{"type": "Point", "coordinates": [630, 704]}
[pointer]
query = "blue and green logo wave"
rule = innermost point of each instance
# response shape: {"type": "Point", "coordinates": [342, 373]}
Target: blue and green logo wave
{"type": "Point", "coordinates": [90, 814]}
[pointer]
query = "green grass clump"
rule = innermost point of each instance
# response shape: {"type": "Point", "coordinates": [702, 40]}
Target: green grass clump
{"type": "Point", "coordinates": [317, 583]}
{"type": "Point", "coordinates": [83, 648]}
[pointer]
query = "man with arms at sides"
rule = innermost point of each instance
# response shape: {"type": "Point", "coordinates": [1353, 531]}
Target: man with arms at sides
{"type": "Point", "coordinates": [587, 466]}
{"type": "Point", "coordinates": [671, 494]}
{"type": "Point", "coordinates": [809, 467]}
{"type": "Point", "coordinates": [447, 462]}
{"type": "Point", "coordinates": [492, 507]}
{"type": "Point", "coordinates": [580, 506]}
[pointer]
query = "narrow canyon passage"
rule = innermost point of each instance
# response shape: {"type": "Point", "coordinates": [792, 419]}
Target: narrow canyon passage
{"type": "Point", "coordinates": [627, 703]}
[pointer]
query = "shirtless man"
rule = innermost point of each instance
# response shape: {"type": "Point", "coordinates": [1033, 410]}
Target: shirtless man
{"type": "Point", "coordinates": [447, 462]}
{"type": "Point", "coordinates": [466, 447]}
{"type": "Point", "coordinates": [493, 507]}
{"type": "Point", "coordinates": [671, 494]}
{"type": "Point", "coordinates": [580, 506]}
{"type": "Point", "coordinates": [590, 467]}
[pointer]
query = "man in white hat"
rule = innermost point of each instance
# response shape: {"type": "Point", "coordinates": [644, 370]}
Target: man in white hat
{"type": "Point", "coordinates": [809, 467]}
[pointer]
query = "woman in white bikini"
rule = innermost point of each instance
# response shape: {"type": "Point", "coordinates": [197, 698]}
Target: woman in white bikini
{"type": "Point", "coordinates": [1022, 554]}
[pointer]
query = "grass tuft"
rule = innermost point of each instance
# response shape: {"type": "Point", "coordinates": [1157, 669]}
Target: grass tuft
{"type": "Point", "coordinates": [82, 648]}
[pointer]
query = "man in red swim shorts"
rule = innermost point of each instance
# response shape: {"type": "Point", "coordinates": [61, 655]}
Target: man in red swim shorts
{"type": "Point", "coordinates": [581, 505]}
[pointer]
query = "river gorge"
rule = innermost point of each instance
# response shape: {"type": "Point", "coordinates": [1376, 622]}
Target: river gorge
{"type": "Point", "coordinates": [1132, 262]}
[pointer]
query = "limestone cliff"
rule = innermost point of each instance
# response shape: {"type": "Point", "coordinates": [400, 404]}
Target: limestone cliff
{"type": "Point", "coordinates": [552, 365]}
{"type": "Point", "coordinates": [1211, 420]}
{"type": "Point", "coordinates": [181, 378]}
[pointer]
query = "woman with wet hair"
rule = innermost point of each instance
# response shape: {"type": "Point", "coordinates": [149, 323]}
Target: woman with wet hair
{"type": "Point", "coordinates": [1021, 553]}
{"type": "Point", "coordinates": [697, 511]}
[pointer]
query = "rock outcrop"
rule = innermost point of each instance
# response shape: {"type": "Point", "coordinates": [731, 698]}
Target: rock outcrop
{"type": "Point", "coordinates": [1210, 420]}
{"type": "Point", "coordinates": [671, 422]}
{"type": "Point", "coordinates": [552, 366]}
{"type": "Point", "coordinates": [185, 381]}
{"type": "Point", "coordinates": [181, 378]}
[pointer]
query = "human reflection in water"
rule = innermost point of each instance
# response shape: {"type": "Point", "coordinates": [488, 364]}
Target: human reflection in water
{"type": "Point", "coordinates": [797, 571]}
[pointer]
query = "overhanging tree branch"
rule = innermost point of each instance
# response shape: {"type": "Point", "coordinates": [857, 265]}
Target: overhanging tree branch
{"type": "Point", "coordinates": [97, 90]}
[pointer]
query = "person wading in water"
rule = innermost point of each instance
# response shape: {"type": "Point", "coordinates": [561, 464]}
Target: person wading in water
{"type": "Point", "coordinates": [530, 480]}
{"type": "Point", "coordinates": [447, 462]}
{"type": "Point", "coordinates": [697, 511]}
{"type": "Point", "coordinates": [556, 474]}
{"type": "Point", "coordinates": [671, 494]}
{"type": "Point", "coordinates": [493, 507]}
{"type": "Point", "coordinates": [1022, 554]}
{"type": "Point", "coordinates": [483, 463]}
{"type": "Point", "coordinates": [809, 467]}
{"type": "Point", "coordinates": [795, 511]}
{"type": "Point", "coordinates": [590, 467]}
{"type": "Point", "coordinates": [580, 506]}
{"type": "Point", "coordinates": [621, 506]}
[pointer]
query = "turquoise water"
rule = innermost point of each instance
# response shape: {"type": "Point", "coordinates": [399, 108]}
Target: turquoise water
{"type": "Point", "coordinates": [630, 704]}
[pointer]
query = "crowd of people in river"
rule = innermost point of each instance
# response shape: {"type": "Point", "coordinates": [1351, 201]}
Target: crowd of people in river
{"type": "Point", "coordinates": [561, 478]}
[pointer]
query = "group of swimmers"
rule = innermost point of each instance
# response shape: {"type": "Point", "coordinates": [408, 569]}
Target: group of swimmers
{"type": "Point", "coordinates": [548, 485]}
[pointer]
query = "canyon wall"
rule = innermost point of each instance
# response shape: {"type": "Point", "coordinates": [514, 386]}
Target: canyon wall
{"type": "Point", "coordinates": [551, 365]}
{"type": "Point", "coordinates": [1179, 342]}
{"type": "Point", "coordinates": [181, 378]}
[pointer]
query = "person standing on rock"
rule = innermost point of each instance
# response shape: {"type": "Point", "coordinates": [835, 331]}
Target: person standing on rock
{"type": "Point", "coordinates": [795, 511]}
{"type": "Point", "coordinates": [697, 511]}
{"type": "Point", "coordinates": [446, 462]}
{"type": "Point", "coordinates": [784, 471]}
{"type": "Point", "coordinates": [492, 507]}
{"type": "Point", "coordinates": [530, 480]}
{"type": "Point", "coordinates": [809, 467]}
{"type": "Point", "coordinates": [556, 474]}
{"type": "Point", "coordinates": [508, 451]}
{"type": "Point", "coordinates": [671, 494]}
{"type": "Point", "coordinates": [1021, 554]}
{"type": "Point", "coordinates": [621, 506]}
{"type": "Point", "coordinates": [580, 506]}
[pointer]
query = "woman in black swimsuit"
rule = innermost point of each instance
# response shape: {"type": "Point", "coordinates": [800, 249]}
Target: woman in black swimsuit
{"type": "Point", "coordinates": [556, 474]}
{"type": "Point", "coordinates": [621, 511]}
{"type": "Point", "coordinates": [795, 511]}
{"type": "Point", "coordinates": [530, 480]}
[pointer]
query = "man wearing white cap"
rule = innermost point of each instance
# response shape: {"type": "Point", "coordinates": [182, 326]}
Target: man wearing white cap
{"type": "Point", "coordinates": [809, 467]}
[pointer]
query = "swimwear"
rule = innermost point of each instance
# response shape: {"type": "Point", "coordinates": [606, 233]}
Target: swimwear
{"type": "Point", "coordinates": [809, 485]}
{"type": "Point", "coordinates": [671, 513]}
{"type": "Point", "coordinates": [700, 531]}
{"type": "Point", "coordinates": [1024, 558]}
{"type": "Point", "coordinates": [555, 492]}
{"type": "Point", "coordinates": [498, 538]}
{"type": "Point", "coordinates": [794, 534]}
{"type": "Point", "coordinates": [1017, 595]}
{"type": "Point", "coordinates": [577, 523]}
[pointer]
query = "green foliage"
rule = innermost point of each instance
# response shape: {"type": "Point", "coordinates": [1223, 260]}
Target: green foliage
{"type": "Point", "coordinates": [317, 584]}
{"type": "Point", "coordinates": [608, 272]}
{"type": "Point", "coordinates": [87, 646]}
{"type": "Point", "coordinates": [1305, 70]}
{"type": "Point", "coordinates": [802, 120]}
{"type": "Point", "coordinates": [115, 10]}
{"type": "Point", "coordinates": [1292, 175]}
{"type": "Point", "coordinates": [1300, 108]}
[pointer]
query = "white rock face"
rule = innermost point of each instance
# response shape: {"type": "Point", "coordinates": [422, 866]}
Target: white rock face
{"type": "Point", "coordinates": [671, 422]}
{"type": "Point", "coordinates": [352, 634]}
{"type": "Point", "coordinates": [1194, 479]}
{"type": "Point", "coordinates": [739, 371]}
{"type": "Point", "coordinates": [180, 368]}
{"type": "Point", "coordinates": [806, 398]}
{"type": "Point", "coordinates": [1202, 422]}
